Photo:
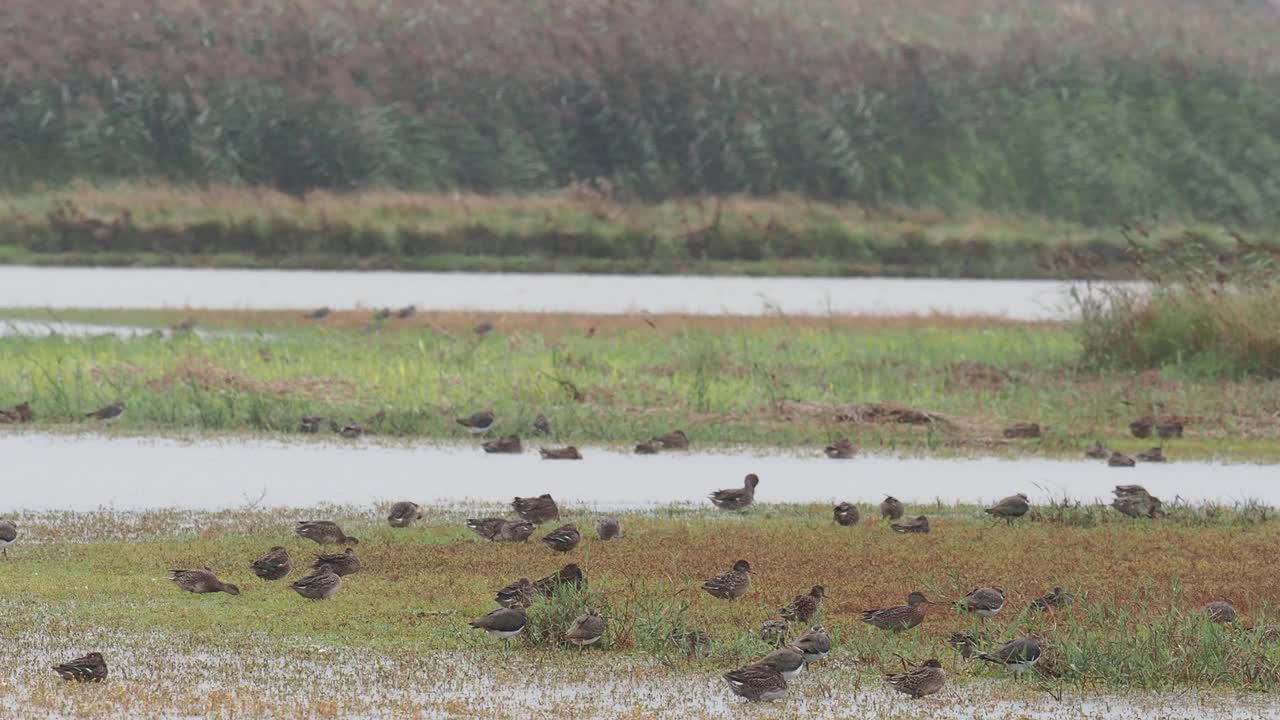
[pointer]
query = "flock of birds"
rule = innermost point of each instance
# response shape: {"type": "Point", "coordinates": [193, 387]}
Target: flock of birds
{"type": "Point", "coordinates": [764, 679]}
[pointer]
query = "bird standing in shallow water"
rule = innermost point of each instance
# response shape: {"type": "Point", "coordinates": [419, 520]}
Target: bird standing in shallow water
{"type": "Point", "coordinates": [756, 683]}
{"type": "Point", "coordinates": [926, 678]}
{"type": "Point", "coordinates": [731, 584]}
{"type": "Point", "coordinates": [1010, 508]}
{"type": "Point", "coordinates": [8, 535]}
{"type": "Point", "coordinates": [201, 580]}
{"type": "Point", "coordinates": [90, 668]}
{"type": "Point", "coordinates": [891, 508]}
{"type": "Point", "coordinates": [478, 423]}
{"type": "Point", "coordinates": [846, 514]}
{"type": "Point", "coordinates": [737, 498]}
{"type": "Point", "coordinates": [274, 565]}
{"type": "Point", "coordinates": [899, 617]}
{"type": "Point", "coordinates": [403, 513]}
{"type": "Point", "coordinates": [321, 584]}
{"type": "Point", "coordinates": [804, 607]}
{"type": "Point", "coordinates": [563, 539]}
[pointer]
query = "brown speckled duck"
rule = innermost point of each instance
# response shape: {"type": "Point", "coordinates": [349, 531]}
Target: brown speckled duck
{"type": "Point", "coordinates": [918, 524]}
{"type": "Point", "coordinates": [325, 532]}
{"type": "Point", "coordinates": [517, 594]}
{"type": "Point", "coordinates": [897, 618]}
{"type": "Point", "coordinates": [1119, 459]}
{"type": "Point", "coordinates": [536, 510]}
{"type": "Point", "coordinates": [89, 668]}
{"type": "Point", "coordinates": [509, 445]}
{"type": "Point", "coordinates": [319, 585]}
{"type": "Point", "coordinates": [274, 565]}
{"type": "Point", "coordinates": [757, 682]}
{"type": "Point", "coordinates": [570, 574]}
{"type": "Point", "coordinates": [607, 528]}
{"type": "Point", "coordinates": [515, 531]}
{"type": "Point", "coordinates": [201, 580]}
{"type": "Point", "coordinates": [891, 508]}
{"type": "Point", "coordinates": [841, 449]}
{"type": "Point", "coordinates": [803, 607]}
{"type": "Point", "coordinates": [674, 440]}
{"type": "Point", "coordinates": [737, 498]}
{"type": "Point", "coordinates": [731, 584]}
{"type": "Point", "coordinates": [564, 453]}
{"type": "Point", "coordinates": [343, 563]}
{"type": "Point", "coordinates": [563, 539]}
{"type": "Point", "coordinates": [925, 679]}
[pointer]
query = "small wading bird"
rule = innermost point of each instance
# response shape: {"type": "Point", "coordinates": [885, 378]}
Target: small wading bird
{"type": "Point", "coordinates": [403, 513]}
{"type": "Point", "coordinates": [757, 682]}
{"type": "Point", "coordinates": [897, 618]}
{"type": "Point", "coordinates": [607, 528]}
{"type": "Point", "coordinates": [563, 453]}
{"type": "Point", "coordinates": [804, 607]}
{"type": "Point", "coordinates": [321, 584]}
{"type": "Point", "coordinates": [536, 510]}
{"type": "Point", "coordinates": [325, 532]}
{"type": "Point", "coordinates": [788, 660]}
{"type": "Point", "coordinates": [274, 565]}
{"type": "Point", "coordinates": [917, 525]}
{"type": "Point", "coordinates": [8, 535]}
{"type": "Point", "coordinates": [891, 508]}
{"type": "Point", "coordinates": [587, 629]}
{"type": "Point", "coordinates": [201, 580]}
{"type": "Point", "coordinates": [1010, 508]}
{"type": "Point", "coordinates": [737, 498]}
{"type": "Point", "coordinates": [343, 563]}
{"type": "Point", "coordinates": [509, 445]}
{"type": "Point", "coordinates": [90, 668]}
{"type": "Point", "coordinates": [924, 679]}
{"type": "Point", "coordinates": [563, 539]}
{"type": "Point", "coordinates": [505, 623]}
{"type": "Point", "coordinates": [846, 514]}
{"type": "Point", "coordinates": [730, 584]}
{"type": "Point", "coordinates": [841, 449]}
{"type": "Point", "coordinates": [108, 414]}
{"type": "Point", "coordinates": [478, 423]}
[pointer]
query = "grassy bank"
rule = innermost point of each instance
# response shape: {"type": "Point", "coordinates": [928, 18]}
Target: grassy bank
{"type": "Point", "coordinates": [777, 381]}
{"type": "Point", "coordinates": [570, 231]}
{"type": "Point", "coordinates": [96, 581]}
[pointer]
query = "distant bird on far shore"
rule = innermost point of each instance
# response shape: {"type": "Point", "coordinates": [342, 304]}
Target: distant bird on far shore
{"type": "Point", "coordinates": [1152, 455]}
{"type": "Point", "coordinates": [841, 449]}
{"type": "Point", "coordinates": [1119, 459]}
{"type": "Point", "coordinates": [1097, 452]}
{"type": "Point", "coordinates": [478, 423]}
{"type": "Point", "coordinates": [541, 425]}
{"type": "Point", "coordinates": [317, 314]}
{"type": "Point", "coordinates": [482, 328]}
{"type": "Point", "coordinates": [310, 423]}
{"type": "Point", "coordinates": [647, 448]}
{"type": "Point", "coordinates": [109, 413]}
{"type": "Point", "coordinates": [20, 413]}
{"type": "Point", "coordinates": [737, 498]}
{"type": "Point", "coordinates": [564, 453]}
{"type": "Point", "coordinates": [406, 312]}
{"type": "Point", "coordinates": [89, 668]}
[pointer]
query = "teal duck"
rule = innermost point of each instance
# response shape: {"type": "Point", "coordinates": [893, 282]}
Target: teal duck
{"type": "Point", "coordinates": [487, 528]}
{"type": "Point", "coordinates": [737, 498]}
{"type": "Point", "coordinates": [691, 641]}
{"type": "Point", "coordinates": [587, 629]}
{"type": "Point", "coordinates": [8, 535]}
{"type": "Point", "coordinates": [919, 524]}
{"type": "Point", "coordinates": [90, 668]}
{"type": "Point", "coordinates": [517, 594]}
{"type": "Point", "coordinates": [325, 532]}
{"type": "Point", "coordinates": [891, 508]}
{"type": "Point", "coordinates": [1152, 455]}
{"type": "Point", "coordinates": [321, 584]}
{"type": "Point", "coordinates": [774, 632]}
{"type": "Point", "coordinates": [515, 531]}
{"type": "Point", "coordinates": [1169, 428]}
{"type": "Point", "coordinates": [647, 448]}
{"type": "Point", "coordinates": [563, 539]}
{"type": "Point", "coordinates": [846, 513]}
{"type": "Point", "coordinates": [731, 584]}
{"type": "Point", "coordinates": [1022, 430]}
{"type": "Point", "coordinates": [1135, 502]}
{"type": "Point", "coordinates": [757, 683]}
{"type": "Point", "coordinates": [570, 574]}
{"type": "Point", "coordinates": [504, 622]}
{"type": "Point", "coordinates": [478, 423]}
{"type": "Point", "coordinates": [1119, 459]}
{"type": "Point", "coordinates": [109, 413]}
{"type": "Point", "coordinates": [607, 528]}
{"type": "Point", "coordinates": [20, 413]}
{"type": "Point", "coordinates": [274, 565]}
{"type": "Point", "coordinates": [1221, 612]}
{"type": "Point", "coordinates": [1141, 428]}
{"type": "Point", "coordinates": [1097, 452]}
{"type": "Point", "coordinates": [1010, 508]}
{"type": "Point", "coordinates": [964, 643]}
{"type": "Point", "coordinates": [1017, 655]}
{"type": "Point", "coordinates": [815, 643]}
{"type": "Point", "coordinates": [562, 453]}
{"type": "Point", "coordinates": [674, 440]}
{"type": "Point", "coordinates": [924, 679]}
{"type": "Point", "coordinates": [788, 660]}
{"type": "Point", "coordinates": [985, 601]}
{"type": "Point", "coordinates": [349, 429]}
{"type": "Point", "coordinates": [508, 445]}
{"type": "Point", "coordinates": [841, 449]}
{"type": "Point", "coordinates": [343, 563]}
{"type": "Point", "coordinates": [541, 425]}
{"type": "Point", "coordinates": [403, 513]}
{"type": "Point", "coordinates": [803, 607]}
{"type": "Point", "coordinates": [536, 510]}
{"type": "Point", "coordinates": [1055, 599]}
{"type": "Point", "coordinates": [311, 423]}
{"type": "Point", "coordinates": [201, 580]}
{"type": "Point", "coordinates": [897, 618]}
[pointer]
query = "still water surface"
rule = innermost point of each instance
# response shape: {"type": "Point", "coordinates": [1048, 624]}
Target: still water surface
{"type": "Point", "coordinates": [90, 471]}
{"type": "Point", "coordinates": [506, 292]}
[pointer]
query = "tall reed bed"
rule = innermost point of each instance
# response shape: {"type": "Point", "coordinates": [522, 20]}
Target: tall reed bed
{"type": "Point", "coordinates": [1089, 111]}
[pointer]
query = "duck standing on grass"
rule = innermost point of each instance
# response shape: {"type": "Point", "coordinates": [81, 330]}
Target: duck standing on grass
{"type": "Point", "coordinates": [731, 584]}
{"type": "Point", "coordinates": [325, 532]}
